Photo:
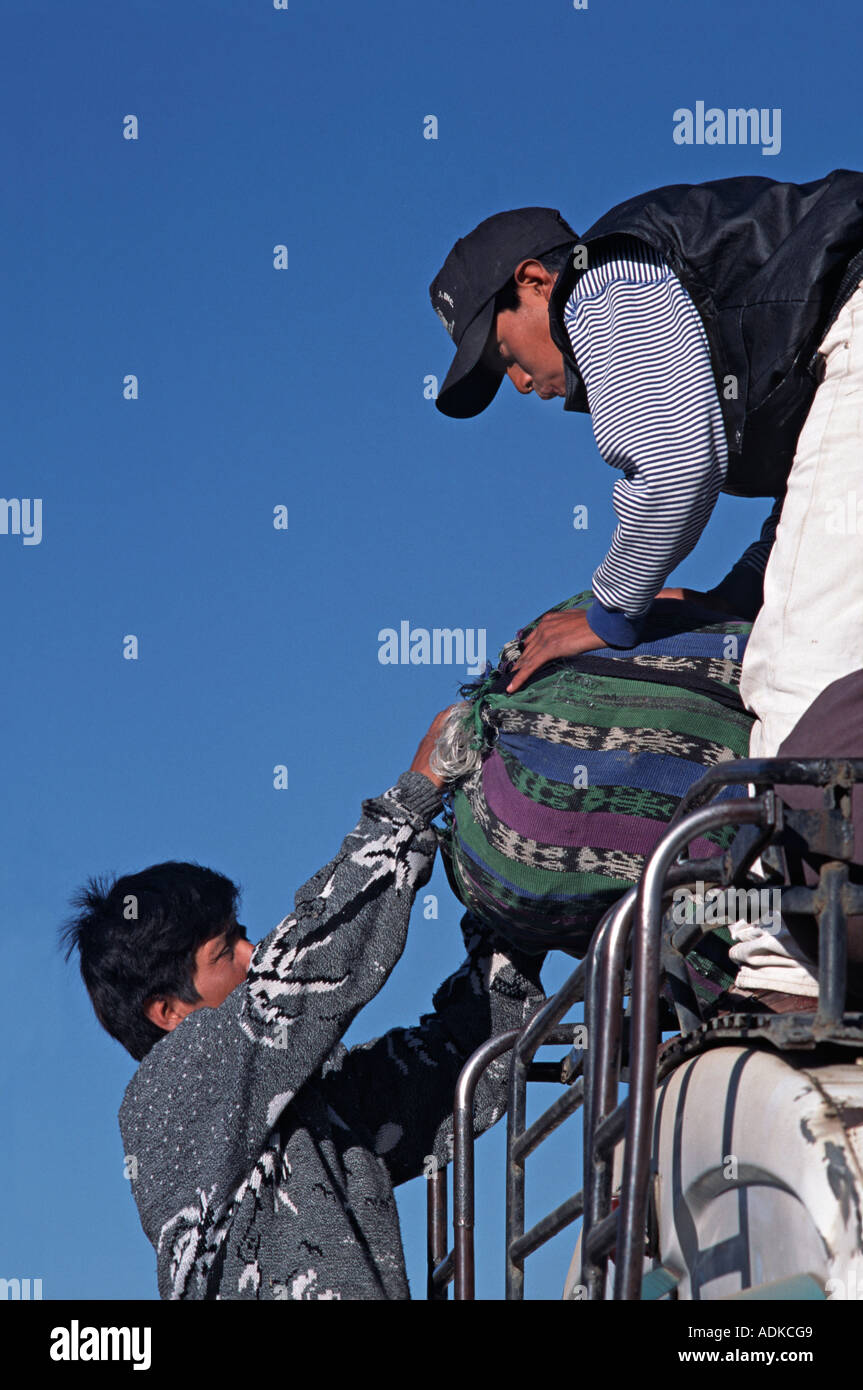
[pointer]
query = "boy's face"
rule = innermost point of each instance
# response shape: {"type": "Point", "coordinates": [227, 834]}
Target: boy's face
{"type": "Point", "coordinates": [221, 964]}
{"type": "Point", "coordinates": [520, 342]}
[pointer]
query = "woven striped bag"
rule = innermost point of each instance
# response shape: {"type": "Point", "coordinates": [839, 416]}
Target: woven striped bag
{"type": "Point", "coordinates": [583, 768]}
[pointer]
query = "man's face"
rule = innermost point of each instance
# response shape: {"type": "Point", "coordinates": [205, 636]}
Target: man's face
{"type": "Point", "coordinates": [520, 342]}
{"type": "Point", "coordinates": [220, 965]}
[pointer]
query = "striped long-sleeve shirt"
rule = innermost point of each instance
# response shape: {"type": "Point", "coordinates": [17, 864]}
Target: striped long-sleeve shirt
{"type": "Point", "coordinates": [643, 356]}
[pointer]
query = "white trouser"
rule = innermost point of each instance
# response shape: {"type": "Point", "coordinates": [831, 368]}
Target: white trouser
{"type": "Point", "coordinates": [810, 630]}
{"type": "Point", "coordinates": [768, 961]}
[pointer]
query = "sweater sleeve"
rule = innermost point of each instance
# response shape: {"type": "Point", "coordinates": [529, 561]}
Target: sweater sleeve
{"type": "Point", "coordinates": [311, 976]}
{"type": "Point", "coordinates": [401, 1087]}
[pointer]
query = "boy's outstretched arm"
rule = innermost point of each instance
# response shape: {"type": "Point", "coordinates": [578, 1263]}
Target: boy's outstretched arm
{"type": "Point", "coordinates": [311, 976]}
{"type": "Point", "coordinates": [401, 1087]}
{"type": "Point", "coordinates": [198, 1112]}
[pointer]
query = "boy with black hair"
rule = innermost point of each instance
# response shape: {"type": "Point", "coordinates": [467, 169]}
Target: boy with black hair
{"type": "Point", "coordinates": [156, 945]}
{"type": "Point", "coordinates": [263, 1152]}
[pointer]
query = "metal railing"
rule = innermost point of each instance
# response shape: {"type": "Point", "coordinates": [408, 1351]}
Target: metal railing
{"type": "Point", "coordinates": [522, 1140]}
{"type": "Point", "coordinates": [828, 832]}
{"type": "Point", "coordinates": [456, 1265]}
{"type": "Point", "coordinates": [593, 1073]}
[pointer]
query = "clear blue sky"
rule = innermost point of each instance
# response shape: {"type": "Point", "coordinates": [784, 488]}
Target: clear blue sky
{"type": "Point", "coordinates": [301, 387]}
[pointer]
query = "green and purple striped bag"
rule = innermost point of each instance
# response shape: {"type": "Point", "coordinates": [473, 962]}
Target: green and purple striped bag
{"type": "Point", "coordinates": [583, 768]}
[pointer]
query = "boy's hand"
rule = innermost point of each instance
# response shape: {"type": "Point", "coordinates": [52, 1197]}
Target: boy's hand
{"type": "Point", "coordinates": [555, 635]}
{"type": "Point", "coordinates": [424, 752]}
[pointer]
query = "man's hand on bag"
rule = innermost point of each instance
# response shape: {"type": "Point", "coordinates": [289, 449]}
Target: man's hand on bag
{"type": "Point", "coordinates": [555, 635]}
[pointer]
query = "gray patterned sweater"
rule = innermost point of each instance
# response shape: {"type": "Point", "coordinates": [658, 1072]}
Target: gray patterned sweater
{"type": "Point", "coordinates": [266, 1151]}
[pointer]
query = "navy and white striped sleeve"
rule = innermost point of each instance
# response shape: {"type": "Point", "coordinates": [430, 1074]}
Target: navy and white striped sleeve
{"type": "Point", "coordinates": [643, 355]}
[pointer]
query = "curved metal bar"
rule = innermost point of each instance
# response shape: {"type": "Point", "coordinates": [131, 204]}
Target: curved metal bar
{"type": "Point", "coordinates": [591, 1011]}
{"type": "Point", "coordinates": [593, 967]}
{"type": "Point", "coordinates": [771, 771]}
{"type": "Point", "coordinates": [596, 965]}
{"type": "Point", "coordinates": [436, 1249]}
{"type": "Point", "coordinates": [463, 1158]}
{"type": "Point", "coordinates": [531, 1038]}
{"type": "Point", "coordinates": [611, 1005]}
{"type": "Point", "coordinates": [645, 1019]}
{"type": "Point", "coordinates": [604, 1016]}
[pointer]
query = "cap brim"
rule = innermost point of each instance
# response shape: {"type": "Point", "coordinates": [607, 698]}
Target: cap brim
{"type": "Point", "coordinates": [470, 386]}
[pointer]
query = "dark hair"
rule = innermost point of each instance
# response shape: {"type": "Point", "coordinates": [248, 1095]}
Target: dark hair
{"type": "Point", "coordinates": [553, 261]}
{"type": "Point", "coordinates": [137, 936]}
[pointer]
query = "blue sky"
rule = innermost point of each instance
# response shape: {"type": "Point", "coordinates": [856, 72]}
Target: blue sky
{"type": "Point", "coordinates": [301, 387]}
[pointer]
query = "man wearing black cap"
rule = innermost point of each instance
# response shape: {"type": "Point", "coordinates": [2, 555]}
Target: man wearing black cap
{"type": "Point", "coordinates": [715, 334]}
{"type": "Point", "coordinates": [464, 298]}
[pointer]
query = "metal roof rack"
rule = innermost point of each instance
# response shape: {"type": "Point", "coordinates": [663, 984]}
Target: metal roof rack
{"type": "Point", "coordinates": [593, 1071]}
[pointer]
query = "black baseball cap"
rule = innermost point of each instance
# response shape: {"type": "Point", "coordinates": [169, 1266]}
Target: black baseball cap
{"type": "Point", "coordinates": [463, 293]}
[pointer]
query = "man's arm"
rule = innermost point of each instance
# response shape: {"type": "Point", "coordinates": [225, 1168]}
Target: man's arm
{"type": "Point", "coordinates": [741, 592]}
{"type": "Point", "coordinates": [742, 589]}
{"type": "Point", "coordinates": [656, 416]}
{"type": "Point", "coordinates": [401, 1087]}
{"type": "Point", "coordinates": [643, 356]}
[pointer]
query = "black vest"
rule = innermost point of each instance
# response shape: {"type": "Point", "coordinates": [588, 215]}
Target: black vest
{"type": "Point", "coordinates": [768, 266]}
